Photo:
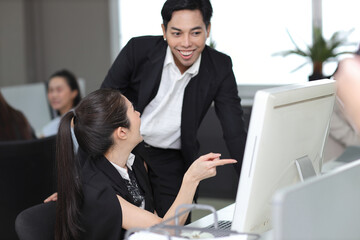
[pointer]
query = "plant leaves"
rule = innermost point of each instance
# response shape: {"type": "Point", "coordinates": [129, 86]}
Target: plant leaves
{"type": "Point", "coordinates": [321, 50]}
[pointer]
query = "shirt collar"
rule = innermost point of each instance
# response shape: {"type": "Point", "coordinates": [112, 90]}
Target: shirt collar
{"type": "Point", "coordinates": [169, 59]}
{"type": "Point", "coordinates": [129, 163]}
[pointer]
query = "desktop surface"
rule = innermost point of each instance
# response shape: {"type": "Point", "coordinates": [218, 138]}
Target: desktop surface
{"type": "Point", "coordinates": [224, 214]}
{"type": "Point", "coordinates": [227, 212]}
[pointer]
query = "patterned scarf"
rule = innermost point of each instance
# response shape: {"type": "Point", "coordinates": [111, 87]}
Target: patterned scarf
{"type": "Point", "coordinates": [129, 190]}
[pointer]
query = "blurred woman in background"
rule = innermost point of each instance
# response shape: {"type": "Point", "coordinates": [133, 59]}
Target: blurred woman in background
{"type": "Point", "coordinates": [63, 94]}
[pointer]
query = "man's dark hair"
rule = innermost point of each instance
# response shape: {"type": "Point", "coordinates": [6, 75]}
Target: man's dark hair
{"type": "Point", "coordinates": [171, 6]}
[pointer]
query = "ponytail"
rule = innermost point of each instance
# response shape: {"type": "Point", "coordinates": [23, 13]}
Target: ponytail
{"type": "Point", "coordinates": [94, 119]}
{"type": "Point", "coordinates": [69, 186]}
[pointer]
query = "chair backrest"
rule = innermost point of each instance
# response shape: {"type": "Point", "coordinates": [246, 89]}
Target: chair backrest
{"type": "Point", "coordinates": [37, 222]}
{"type": "Point", "coordinates": [27, 177]}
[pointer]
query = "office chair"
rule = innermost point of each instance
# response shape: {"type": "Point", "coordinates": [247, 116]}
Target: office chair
{"type": "Point", "coordinates": [27, 177]}
{"type": "Point", "coordinates": [37, 222]}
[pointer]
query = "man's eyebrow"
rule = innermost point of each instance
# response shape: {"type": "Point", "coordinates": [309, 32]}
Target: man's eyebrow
{"type": "Point", "coordinates": [176, 29]}
{"type": "Point", "coordinates": [194, 28]}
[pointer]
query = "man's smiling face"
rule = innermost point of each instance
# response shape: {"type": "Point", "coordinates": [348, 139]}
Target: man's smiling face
{"type": "Point", "coordinates": [186, 35]}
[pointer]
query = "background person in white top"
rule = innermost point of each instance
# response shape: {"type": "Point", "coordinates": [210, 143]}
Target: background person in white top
{"type": "Point", "coordinates": [172, 80]}
{"type": "Point", "coordinates": [63, 94]}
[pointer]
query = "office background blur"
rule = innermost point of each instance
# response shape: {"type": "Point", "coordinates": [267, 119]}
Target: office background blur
{"type": "Point", "coordinates": [39, 37]}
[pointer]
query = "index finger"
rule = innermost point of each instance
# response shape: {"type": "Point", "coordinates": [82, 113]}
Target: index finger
{"type": "Point", "coordinates": [221, 162]}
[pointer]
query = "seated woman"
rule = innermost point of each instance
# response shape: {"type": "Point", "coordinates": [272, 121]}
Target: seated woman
{"type": "Point", "coordinates": [111, 191]}
{"type": "Point", "coordinates": [63, 94]}
{"type": "Point", "coordinates": [13, 124]}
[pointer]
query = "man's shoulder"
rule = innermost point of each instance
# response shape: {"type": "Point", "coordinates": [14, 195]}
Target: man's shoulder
{"type": "Point", "coordinates": [216, 60]}
{"type": "Point", "coordinates": [143, 45]}
{"type": "Point", "coordinates": [216, 54]}
{"type": "Point", "coordinates": [146, 40]}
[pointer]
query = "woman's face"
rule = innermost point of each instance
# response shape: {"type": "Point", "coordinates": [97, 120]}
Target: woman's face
{"type": "Point", "coordinates": [135, 121]}
{"type": "Point", "coordinates": [60, 95]}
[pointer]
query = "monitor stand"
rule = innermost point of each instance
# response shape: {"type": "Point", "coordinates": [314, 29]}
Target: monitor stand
{"type": "Point", "coordinates": [305, 168]}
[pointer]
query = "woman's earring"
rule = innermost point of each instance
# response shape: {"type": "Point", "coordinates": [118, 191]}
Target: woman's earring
{"type": "Point", "coordinates": [165, 39]}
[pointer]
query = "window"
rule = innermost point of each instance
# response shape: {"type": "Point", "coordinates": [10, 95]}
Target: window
{"type": "Point", "coordinates": [337, 16]}
{"type": "Point", "coordinates": [251, 31]}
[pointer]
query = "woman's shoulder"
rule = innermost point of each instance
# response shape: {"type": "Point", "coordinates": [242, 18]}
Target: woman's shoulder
{"type": "Point", "coordinates": [100, 205]}
{"type": "Point", "coordinates": [93, 178]}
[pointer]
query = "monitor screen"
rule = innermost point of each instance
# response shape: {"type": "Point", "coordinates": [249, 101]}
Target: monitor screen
{"type": "Point", "coordinates": [287, 124]}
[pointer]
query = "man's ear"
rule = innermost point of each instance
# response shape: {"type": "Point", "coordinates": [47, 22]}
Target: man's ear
{"type": "Point", "coordinates": [164, 31]}
{"type": "Point", "coordinates": [121, 133]}
{"type": "Point", "coordinates": [208, 30]}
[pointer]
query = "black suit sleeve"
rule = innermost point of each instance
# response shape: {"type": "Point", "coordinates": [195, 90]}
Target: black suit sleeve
{"type": "Point", "coordinates": [230, 114]}
{"type": "Point", "coordinates": [119, 74]}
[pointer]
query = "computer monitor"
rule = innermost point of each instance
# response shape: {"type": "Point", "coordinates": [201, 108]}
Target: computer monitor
{"type": "Point", "coordinates": [326, 207]}
{"type": "Point", "coordinates": [287, 124]}
{"type": "Point", "coordinates": [32, 101]}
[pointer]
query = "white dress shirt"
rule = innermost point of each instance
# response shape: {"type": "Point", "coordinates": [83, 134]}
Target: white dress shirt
{"type": "Point", "coordinates": [161, 119]}
{"type": "Point", "coordinates": [52, 127]}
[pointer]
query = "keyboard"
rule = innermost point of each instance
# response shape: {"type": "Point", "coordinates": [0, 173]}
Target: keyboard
{"type": "Point", "coordinates": [222, 224]}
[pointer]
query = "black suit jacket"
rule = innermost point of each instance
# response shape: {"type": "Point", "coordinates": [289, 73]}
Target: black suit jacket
{"type": "Point", "coordinates": [101, 214]}
{"type": "Point", "coordinates": [137, 71]}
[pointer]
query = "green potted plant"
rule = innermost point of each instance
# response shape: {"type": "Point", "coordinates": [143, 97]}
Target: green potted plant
{"type": "Point", "coordinates": [320, 51]}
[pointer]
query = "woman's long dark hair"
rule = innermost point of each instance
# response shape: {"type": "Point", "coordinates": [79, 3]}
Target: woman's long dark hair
{"type": "Point", "coordinates": [13, 124]}
{"type": "Point", "coordinates": [94, 120]}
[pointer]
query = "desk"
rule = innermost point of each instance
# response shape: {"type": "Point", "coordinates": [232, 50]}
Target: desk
{"type": "Point", "coordinates": [226, 214]}
{"type": "Point", "coordinates": [298, 216]}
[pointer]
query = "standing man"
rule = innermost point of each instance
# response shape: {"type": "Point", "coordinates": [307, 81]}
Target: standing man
{"type": "Point", "coordinates": [173, 80]}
